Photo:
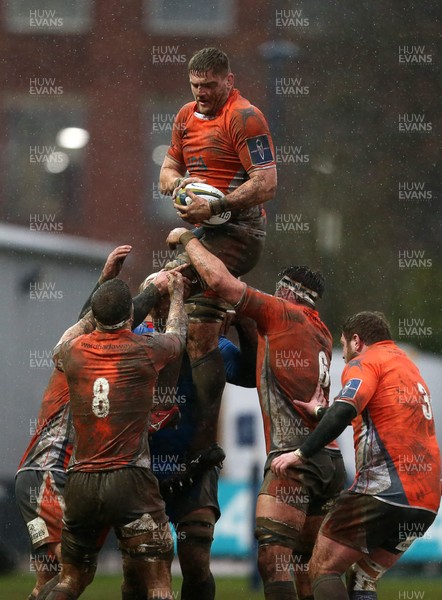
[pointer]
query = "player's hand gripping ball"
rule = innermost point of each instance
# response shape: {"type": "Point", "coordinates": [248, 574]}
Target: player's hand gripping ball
{"type": "Point", "coordinates": [209, 193]}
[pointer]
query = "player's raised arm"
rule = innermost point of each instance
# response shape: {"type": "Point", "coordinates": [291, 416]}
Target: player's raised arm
{"type": "Point", "coordinates": [111, 269]}
{"type": "Point", "coordinates": [177, 317]}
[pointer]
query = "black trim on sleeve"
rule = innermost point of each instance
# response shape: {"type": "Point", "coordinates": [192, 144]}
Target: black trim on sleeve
{"type": "Point", "coordinates": [144, 302]}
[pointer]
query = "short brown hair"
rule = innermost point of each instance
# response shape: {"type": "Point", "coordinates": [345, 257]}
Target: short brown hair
{"type": "Point", "coordinates": [371, 327]}
{"type": "Point", "coordinates": [209, 59]}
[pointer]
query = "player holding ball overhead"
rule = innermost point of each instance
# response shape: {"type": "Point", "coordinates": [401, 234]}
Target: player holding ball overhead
{"type": "Point", "coordinates": [220, 168]}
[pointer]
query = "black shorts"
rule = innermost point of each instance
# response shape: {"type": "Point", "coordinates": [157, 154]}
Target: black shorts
{"type": "Point", "coordinates": [203, 493]}
{"type": "Point", "coordinates": [126, 499]}
{"type": "Point", "coordinates": [238, 247]}
{"type": "Point", "coordinates": [365, 523]}
{"type": "Point", "coordinates": [39, 496]}
{"type": "Point", "coordinates": [312, 486]}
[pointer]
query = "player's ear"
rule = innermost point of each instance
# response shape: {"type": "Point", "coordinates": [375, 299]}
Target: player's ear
{"type": "Point", "coordinates": [358, 342]}
{"type": "Point", "coordinates": [230, 80]}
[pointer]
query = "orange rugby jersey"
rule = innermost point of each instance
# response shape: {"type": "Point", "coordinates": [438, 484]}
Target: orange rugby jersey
{"type": "Point", "coordinates": [111, 379]}
{"type": "Point", "coordinates": [51, 445]}
{"type": "Point", "coordinates": [223, 149]}
{"type": "Point", "coordinates": [294, 353]}
{"type": "Point", "coordinates": [397, 455]}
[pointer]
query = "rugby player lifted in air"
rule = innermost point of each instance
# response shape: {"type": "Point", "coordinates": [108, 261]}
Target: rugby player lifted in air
{"type": "Point", "coordinates": [222, 140]}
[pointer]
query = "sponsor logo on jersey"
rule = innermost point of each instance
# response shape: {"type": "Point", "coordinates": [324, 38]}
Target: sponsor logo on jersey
{"type": "Point", "coordinates": [259, 150]}
{"type": "Point", "coordinates": [350, 389]}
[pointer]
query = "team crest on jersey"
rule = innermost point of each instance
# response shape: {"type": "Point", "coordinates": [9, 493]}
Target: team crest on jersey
{"type": "Point", "coordinates": [350, 389]}
{"type": "Point", "coordinates": [259, 150]}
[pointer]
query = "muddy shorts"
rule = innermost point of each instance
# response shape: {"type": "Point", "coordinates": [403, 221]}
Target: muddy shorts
{"type": "Point", "coordinates": [39, 495]}
{"type": "Point", "coordinates": [239, 248]}
{"type": "Point", "coordinates": [126, 499]}
{"type": "Point", "coordinates": [311, 486]}
{"type": "Point", "coordinates": [364, 523]}
{"type": "Point", "coordinates": [203, 493]}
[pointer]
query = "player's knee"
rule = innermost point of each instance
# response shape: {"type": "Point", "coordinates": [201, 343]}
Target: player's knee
{"type": "Point", "coordinates": [195, 533]}
{"type": "Point", "coordinates": [194, 543]}
{"type": "Point", "coordinates": [276, 543]}
{"type": "Point", "coordinates": [364, 575]}
{"type": "Point", "coordinates": [152, 545]}
{"type": "Point", "coordinates": [270, 532]}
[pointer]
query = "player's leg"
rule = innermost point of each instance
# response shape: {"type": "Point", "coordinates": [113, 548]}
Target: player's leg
{"type": "Point", "coordinates": [208, 374]}
{"type": "Point", "coordinates": [301, 559]}
{"type": "Point", "coordinates": [281, 514]}
{"type": "Point", "coordinates": [46, 563]}
{"type": "Point", "coordinates": [239, 248]}
{"type": "Point", "coordinates": [329, 560]}
{"type": "Point", "coordinates": [276, 532]}
{"type": "Point", "coordinates": [402, 525]}
{"type": "Point", "coordinates": [74, 578]}
{"type": "Point", "coordinates": [135, 506]}
{"type": "Point", "coordinates": [194, 511]}
{"type": "Point", "coordinates": [146, 562]}
{"type": "Point", "coordinates": [39, 496]}
{"type": "Point", "coordinates": [289, 514]}
{"type": "Point", "coordinates": [84, 532]}
{"type": "Point", "coordinates": [194, 541]}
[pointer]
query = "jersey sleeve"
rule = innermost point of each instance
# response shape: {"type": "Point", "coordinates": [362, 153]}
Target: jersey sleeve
{"type": "Point", "coordinates": [165, 347]}
{"type": "Point", "coordinates": [266, 310]}
{"type": "Point", "coordinates": [359, 383]}
{"type": "Point", "coordinates": [59, 353]}
{"type": "Point", "coordinates": [251, 138]}
{"type": "Point", "coordinates": [175, 149]}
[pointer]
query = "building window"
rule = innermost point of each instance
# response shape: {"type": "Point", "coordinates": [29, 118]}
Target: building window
{"type": "Point", "coordinates": [51, 16]}
{"type": "Point", "coordinates": [43, 158]}
{"type": "Point", "coordinates": [216, 17]}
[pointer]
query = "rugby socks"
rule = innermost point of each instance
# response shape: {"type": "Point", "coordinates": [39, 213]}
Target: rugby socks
{"type": "Point", "coordinates": [280, 590]}
{"type": "Point", "coordinates": [61, 594]}
{"type": "Point", "coordinates": [133, 595]}
{"type": "Point", "coordinates": [209, 379]}
{"type": "Point", "coordinates": [47, 588]}
{"type": "Point", "coordinates": [362, 595]}
{"type": "Point", "coordinates": [203, 590]}
{"type": "Point", "coordinates": [329, 587]}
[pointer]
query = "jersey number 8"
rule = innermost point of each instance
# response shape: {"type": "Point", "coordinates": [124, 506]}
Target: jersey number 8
{"type": "Point", "coordinates": [100, 401]}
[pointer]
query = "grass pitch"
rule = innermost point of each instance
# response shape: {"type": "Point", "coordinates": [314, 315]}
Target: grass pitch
{"type": "Point", "coordinates": [107, 587]}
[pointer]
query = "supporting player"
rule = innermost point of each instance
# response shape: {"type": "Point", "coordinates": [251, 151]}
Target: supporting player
{"type": "Point", "coordinates": [223, 140]}
{"type": "Point", "coordinates": [396, 493]}
{"type": "Point", "coordinates": [193, 508]}
{"type": "Point", "coordinates": [41, 474]}
{"type": "Point", "coordinates": [104, 471]}
{"type": "Point", "coordinates": [294, 353]}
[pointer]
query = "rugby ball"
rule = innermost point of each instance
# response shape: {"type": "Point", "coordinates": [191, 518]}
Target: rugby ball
{"type": "Point", "coordinates": [209, 193]}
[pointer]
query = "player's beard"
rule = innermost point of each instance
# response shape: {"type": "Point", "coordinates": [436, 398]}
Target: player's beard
{"type": "Point", "coordinates": [214, 104]}
{"type": "Point", "coordinates": [350, 354]}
